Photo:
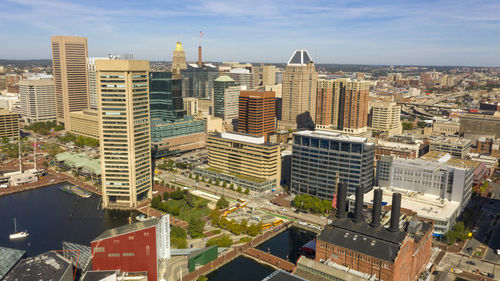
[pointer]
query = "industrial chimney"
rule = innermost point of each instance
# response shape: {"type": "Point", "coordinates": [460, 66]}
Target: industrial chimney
{"type": "Point", "coordinates": [199, 56]}
{"type": "Point", "coordinates": [358, 204]}
{"type": "Point", "coordinates": [377, 207]}
{"type": "Point", "coordinates": [341, 200]}
{"type": "Point", "coordinates": [395, 212]}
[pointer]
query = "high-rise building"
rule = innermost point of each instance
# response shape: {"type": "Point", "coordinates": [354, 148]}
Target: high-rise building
{"type": "Point", "coordinates": [178, 60]}
{"type": "Point", "coordinates": [385, 117]}
{"type": "Point", "coordinates": [69, 54]}
{"type": "Point", "coordinates": [327, 101]}
{"type": "Point", "coordinates": [9, 124]}
{"type": "Point", "coordinates": [191, 106]}
{"type": "Point", "coordinates": [257, 115]}
{"type": "Point", "coordinates": [299, 89]}
{"type": "Point", "coordinates": [242, 77]}
{"type": "Point", "coordinates": [353, 107]}
{"type": "Point", "coordinates": [85, 123]}
{"type": "Point", "coordinates": [165, 97]}
{"type": "Point", "coordinates": [224, 92]}
{"type": "Point", "coordinates": [200, 80]}
{"type": "Point", "coordinates": [37, 99]}
{"type": "Point", "coordinates": [93, 81]}
{"type": "Point", "coordinates": [124, 133]}
{"type": "Point", "coordinates": [320, 158]}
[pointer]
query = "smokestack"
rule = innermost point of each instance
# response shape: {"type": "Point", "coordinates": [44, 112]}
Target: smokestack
{"type": "Point", "coordinates": [395, 212]}
{"type": "Point", "coordinates": [341, 200]}
{"type": "Point", "coordinates": [358, 204]}
{"type": "Point", "coordinates": [199, 56]}
{"type": "Point", "coordinates": [377, 207]}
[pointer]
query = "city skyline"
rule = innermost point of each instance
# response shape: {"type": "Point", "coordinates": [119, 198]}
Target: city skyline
{"type": "Point", "coordinates": [350, 32]}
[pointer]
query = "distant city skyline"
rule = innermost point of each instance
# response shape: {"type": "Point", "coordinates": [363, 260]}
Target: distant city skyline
{"type": "Point", "coordinates": [464, 33]}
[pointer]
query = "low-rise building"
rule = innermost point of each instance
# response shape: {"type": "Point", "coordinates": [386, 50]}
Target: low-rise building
{"type": "Point", "coordinates": [446, 128]}
{"type": "Point", "coordinates": [473, 126]}
{"type": "Point", "coordinates": [85, 123]}
{"type": "Point", "coordinates": [46, 266]}
{"type": "Point", "coordinates": [455, 146]}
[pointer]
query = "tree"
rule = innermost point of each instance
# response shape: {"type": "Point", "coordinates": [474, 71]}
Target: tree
{"type": "Point", "coordinates": [177, 195]}
{"type": "Point", "coordinates": [221, 241]}
{"type": "Point", "coordinates": [190, 175]}
{"type": "Point", "coordinates": [231, 186]}
{"type": "Point", "coordinates": [155, 202]}
{"type": "Point", "coordinates": [45, 164]}
{"type": "Point", "coordinates": [247, 191]}
{"type": "Point", "coordinates": [239, 189]}
{"type": "Point", "coordinates": [214, 216]}
{"type": "Point", "coordinates": [177, 231]}
{"type": "Point", "coordinates": [253, 230]}
{"type": "Point", "coordinates": [165, 196]}
{"type": "Point", "coordinates": [217, 182]}
{"type": "Point", "coordinates": [407, 126]}
{"type": "Point", "coordinates": [222, 203]}
{"type": "Point", "coordinates": [177, 242]}
{"type": "Point", "coordinates": [195, 228]}
{"type": "Point", "coordinates": [197, 178]}
{"type": "Point", "coordinates": [224, 184]}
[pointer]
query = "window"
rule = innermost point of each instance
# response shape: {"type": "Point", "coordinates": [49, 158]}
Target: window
{"type": "Point", "coordinates": [99, 250]}
{"type": "Point", "coordinates": [131, 238]}
{"type": "Point", "coordinates": [114, 255]}
{"type": "Point", "coordinates": [146, 233]}
{"type": "Point", "coordinates": [128, 254]}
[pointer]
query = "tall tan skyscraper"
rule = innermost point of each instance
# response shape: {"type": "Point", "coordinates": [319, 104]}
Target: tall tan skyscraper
{"type": "Point", "coordinates": [299, 89]}
{"type": "Point", "coordinates": [386, 117]}
{"type": "Point", "coordinates": [178, 60]}
{"type": "Point", "coordinates": [69, 54]}
{"type": "Point", "coordinates": [124, 131]}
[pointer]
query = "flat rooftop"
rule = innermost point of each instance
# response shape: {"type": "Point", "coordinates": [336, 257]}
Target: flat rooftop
{"type": "Point", "coordinates": [127, 229]}
{"type": "Point", "coordinates": [47, 266]}
{"type": "Point", "coordinates": [8, 258]}
{"type": "Point", "coordinates": [281, 275]}
{"type": "Point", "coordinates": [330, 135]}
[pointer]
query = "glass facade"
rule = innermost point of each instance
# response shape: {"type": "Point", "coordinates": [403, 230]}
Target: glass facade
{"type": "Point", "coordinates": [200, 81]}
{"type": "Point", "coordinates": [165, 95]}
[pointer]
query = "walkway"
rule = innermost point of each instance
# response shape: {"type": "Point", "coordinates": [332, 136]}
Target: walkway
{"type": "Point", "coordinates": [261, 256]}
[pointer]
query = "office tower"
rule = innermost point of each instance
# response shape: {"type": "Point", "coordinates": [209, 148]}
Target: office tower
{"type": "Point", "coordinates": [124, 132]}
{"type": "Point", "coordinates": [69, 54]}
{"type": "Point", "coordinates": [85, 123]}
{"type": "Point", "coordinates": [242, 77]}
{"type": "Point", "coordinates": [93, 81]}
{"type": "Point", "coordinates": [353, 105]}
{"type": "Point", "coordinates": [178, 60]}
{"type": "Point", "coordinates": [37, 99]}
{"type": "Point", "coordinates": [165, 97]}
{"type": "Point", "coordinates": [9, 124]}
{"type": "Point", "coordinates": [447, 177]}
{"type": "Point", "coordinates": [244, 160]}
{"type": "Point", "coordinates": [385, 117]}
{"type": "Point", "coordinates": [200, 80]}
{"type": "Point", "coordinates": [226, 91]}
{"type": "Point", "coordinates": [327, 101]}
{"type": "Point", "coordinates": [191, 106]}
{"type": "Point", "coordinates": [319, 158]}
{"type": "Point", "coordinates": [395, 247]}
{"type": "Point", "coordinates": [257, 113]}
{"type": "Point", "coordinates": [268, 75]}
{"type": "Point", "coordinates": [299, 89]}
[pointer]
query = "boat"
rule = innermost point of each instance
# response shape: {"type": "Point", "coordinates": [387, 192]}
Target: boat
{"type": "Point", "coordinates": [16, 234]}
{"type": "Point", "coordinates": [308, 248]}
{"type": "Point", "coordinates": [73, 189]}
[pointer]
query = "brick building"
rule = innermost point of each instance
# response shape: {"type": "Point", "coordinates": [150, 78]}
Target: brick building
{"type": "Point", "coordinates": [399, 252]}
{"type": "Point", "coordinates": [257, 113]}
{"type": "Point", "coordinates": [134, 247]}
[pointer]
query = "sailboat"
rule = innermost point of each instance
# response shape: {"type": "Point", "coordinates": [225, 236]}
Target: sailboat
{"type": "Point", "coordinates": [16, 234]}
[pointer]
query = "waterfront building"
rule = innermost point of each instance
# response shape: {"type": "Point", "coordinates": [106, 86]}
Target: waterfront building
{"type": "Point", "coordinates": [200, 79]}
{"type": "Point", "coordinates": [242, 77]}
{"type": "Point", "coordinates": [124, 132]}
{"type": "Point", "coordinates": [474, 126]}
{"type": "Point", "coordinates": [165, 97]}
{"type": "Point", "coordinates": [190, 106]}
{"type": "Point", "coordinates": [171, 138]}
{"type": "Point", "coordinates": [141, 246]}
{"type": "Point", "coordinates": [257, 113]}
{"type": "Point", "coordinates": [93, 80]}
{"type": "Point", "coordinates": [69, 54]}
{"type": "Point", "coordinates": [37, 99]}
{"type": "Point", "coordinates": [385, 118]}
{"type": "Point", "coordinates": [299, 89]}
{"type": "Point", "coordinates": [393, 249]}
{"type": "Point", "coordinates": [80, 163]}
{"type": "Point", "coordinates": [446, 128]}
{"type": "Point", "coordinates": [226, 93]}
{"type": "Point", "coordinates": [321, 158]}
{"type": "Point", "coordinates": [450, 179]}
{"type": "Point", "coordinates": [9, 124]}
{"type": "Point", "coordinates": [178, 60]}
{"type": "Point", "coordinates": [9, 258]}
{"type": "Point", "coordinates": [85, 123]}
{"type": "Point", "coordinates": [245, 160]}
{"type": "Point", "coordinates": [457, 147]}
{"type": "Point", "coordinates": [46, 266]}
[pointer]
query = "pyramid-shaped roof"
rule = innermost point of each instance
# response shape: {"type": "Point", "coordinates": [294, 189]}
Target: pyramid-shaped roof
{"type": "Point", "coordinates": [300, 57]}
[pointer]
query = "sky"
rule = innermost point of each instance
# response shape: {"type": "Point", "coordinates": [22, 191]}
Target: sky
{"type": "Point", "coordinates": [397, 32]}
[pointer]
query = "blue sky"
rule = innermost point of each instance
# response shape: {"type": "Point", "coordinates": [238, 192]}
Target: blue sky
{"type": "Point", "coordinates": [456, 32]}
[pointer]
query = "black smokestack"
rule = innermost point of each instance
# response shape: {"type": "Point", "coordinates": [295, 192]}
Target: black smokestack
{"type": "Point", "coordinates": [341, 200]}
{"type": "Point", "coordinates": [358, 204]}
{"type": "Point", "coordinates": [377, 207]}
{"type": "Point", "coordinates": [395, 212]}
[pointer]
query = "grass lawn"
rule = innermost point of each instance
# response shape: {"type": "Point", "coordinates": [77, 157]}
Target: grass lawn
{"type": "Point", "coordinates": [186, 212]}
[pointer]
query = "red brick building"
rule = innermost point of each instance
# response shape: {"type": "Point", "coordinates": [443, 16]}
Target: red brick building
{"type": "Point", "coordinates": [397, 253]}
{"type": "Point", "coordinates": [132, 248]}
{"type": "Point", "coordinates": [257, 114]}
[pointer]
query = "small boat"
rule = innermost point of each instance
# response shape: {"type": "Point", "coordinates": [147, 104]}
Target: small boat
{"type": "Point", "coordinates": [16, 234]}
{"type": "Point", "coordinates": [73, 189]}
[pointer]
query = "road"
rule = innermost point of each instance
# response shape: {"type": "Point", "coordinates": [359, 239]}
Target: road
{"type": "Point", "coordinates": [172, 270]}
{"type": "Point", "coordinates": [466, 263]}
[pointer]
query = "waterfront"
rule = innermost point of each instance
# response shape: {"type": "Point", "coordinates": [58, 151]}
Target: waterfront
{"type": "Point", "coordinates": [286, 244]}
{"type": "Point", "coordinates": [241, 269]}
{"type": "Point", "coordinates": [51, 216]}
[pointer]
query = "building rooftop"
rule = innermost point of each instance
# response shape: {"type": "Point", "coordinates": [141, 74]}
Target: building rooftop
{"type": "Point", "coordinates": [127, 229]}
{"type": "Point", "coordinates": [450, 140]}
{"type": "Point", "coordinates": [224, 78]}
{"type": "Point", "coordinates": [8, 258]}
{"type": "Point", "coordinates": [300, 57]}
{"type": "Point", "coordinates": [330, 269]}
{"type": "Point", "coordinates": [281, 275]}
{"type": "Point", "coordinates": [443, 157]}
{"type": "Point", "coordinates": [330, 135]}
{"type": "Point", "coordinates": [47, 266]}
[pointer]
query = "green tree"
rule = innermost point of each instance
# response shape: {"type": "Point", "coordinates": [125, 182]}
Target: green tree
{"type": "Point", "coordinates": [221, 241]}
{"type": "Point", "coordinates": [231, 186]}
{"type": "Point", "coordinates": [177, 195]}
{"type": "Point", "coordinates": [165, 196]}
{"type": "Point", "coordinates": [217, 182]}
{"type": "Point", "coordinates": [190, 175]}
{"type": "Point", "coordinates": [239, 189]}
{"type": "Point", "coordinates": [253, 230]}
{"type": "Point", "coordinates": [224, 184]}
{"type": "Point", "coordinates": [247, 191]}
{"type": "Point", "coordinates": [177, 242]}
{"type": "Point", "coordinates": [202, 278]}
{"type": "Point", "coordinates": [407, 126]}
{"type": "Point", "coordinates": [222, 203]}
{"type": "Point", "coordinates": [195, 228]}
{"type": "Point", "coordinates": [45, 164]}
{"type": "Point", "coordinates": [155, 202]}
{"type": "Point", "coordinates": [196, 177]}
{"type": "Point", "coordinates": [177, 231]}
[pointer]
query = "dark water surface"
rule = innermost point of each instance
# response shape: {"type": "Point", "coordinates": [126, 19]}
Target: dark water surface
{"type": "Point", "coordinates": [286, 244]}
{"type": "Point", "coordinates": [241, 269]}
{"type": "Point", "coordinates": [51, 216]}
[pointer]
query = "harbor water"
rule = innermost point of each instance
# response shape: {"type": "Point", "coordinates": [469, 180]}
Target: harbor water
{"type": "Point", "coordinates": [51, 216]}
{"type": "Point", "coordinates": [241, 269]}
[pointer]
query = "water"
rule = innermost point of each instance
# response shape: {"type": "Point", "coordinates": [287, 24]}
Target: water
{"type": "Point", "coordinates": [286, 244]}
{"type": "Point", "coordinates": [46, 214]}
{"type": "Point", "coordinates": [241, 269]}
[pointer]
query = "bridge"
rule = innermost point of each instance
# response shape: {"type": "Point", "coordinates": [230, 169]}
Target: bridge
{"type": "Point", "coordinates": [264, 257]}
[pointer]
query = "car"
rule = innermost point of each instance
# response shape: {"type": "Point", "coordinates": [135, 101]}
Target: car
{"type": "Point", "coordinates": [491, 275]}
{"type": "Point", "coordinates": [470, 262]}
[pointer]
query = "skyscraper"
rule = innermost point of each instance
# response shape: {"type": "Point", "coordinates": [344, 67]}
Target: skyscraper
{"type": "Point", "coordinates": [327, 101]}
{"type": "Point", "coordinates": [299, 89]}
{"type": "Point", "coordinates": [69, 54]}
{"type": "Point", "coordinates": [386, 117]}
{"type": "Point", "coordinates": [178, 60]}
{"type": "Point", "coordinates": [37, 99]}
{"type": "Point", "coordinates": [123, 87]}
{"type": "Point", "coordinates": [165, 97]}
{"type": "Point", "coordinates": [257, 113]}
{"type": "Point", "coordinates": [353, 113]}
{"type": "Point", "coordinates": [93, 81]}
{"type": "Point", "coordinates": [222, 95]}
